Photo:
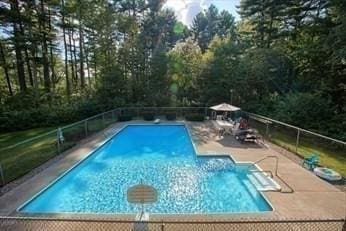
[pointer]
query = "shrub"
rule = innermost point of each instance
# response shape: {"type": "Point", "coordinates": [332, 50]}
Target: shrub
{"type": "Point", "coordinates": [123, 118]}
{"type": "Point", "coordinates": [171, 116]}
{"type": "Point", "coordinates": [194, 117]}
{"type": "Point", "coordinates": [148, 116]}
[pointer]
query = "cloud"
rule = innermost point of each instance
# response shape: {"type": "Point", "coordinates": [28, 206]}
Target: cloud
{"type": "Point", "coordinates": [186, 10]}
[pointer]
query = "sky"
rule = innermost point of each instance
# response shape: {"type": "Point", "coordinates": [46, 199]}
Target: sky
{"type": "Point", "coordinates": [186, 10]}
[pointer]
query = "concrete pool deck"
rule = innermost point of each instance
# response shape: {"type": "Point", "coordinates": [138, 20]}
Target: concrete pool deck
{"type": "Point", "coordinates": [312, 198]}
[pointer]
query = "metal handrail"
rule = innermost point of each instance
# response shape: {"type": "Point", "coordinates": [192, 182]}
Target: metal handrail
{"type": "Point", "coordinates": [287, 185]}
{"type": "Point", "coordinates": [295, 127]}
{"type": "Point", "coordinates": [276, 171]}
{"type": "Point", "coordinates": [267, 157]}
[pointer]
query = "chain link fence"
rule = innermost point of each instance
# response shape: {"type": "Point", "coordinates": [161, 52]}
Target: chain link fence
{"type": "Point", "coordinates": [17, 160]}
{"type": "Point", "coordinates": [331, 152]}
{"type": "Point", "coordinates": [20, 223]}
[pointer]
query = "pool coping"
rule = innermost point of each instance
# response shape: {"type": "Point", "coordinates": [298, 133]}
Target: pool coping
{"type": "Point", "coordinates": [105, 141]}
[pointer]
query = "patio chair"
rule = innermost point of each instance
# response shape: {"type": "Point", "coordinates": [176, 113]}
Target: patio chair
{"type": "Point", "coordinates": [311, 161]}
{"type": "Point", "coordinates": [235, 129]}
{"type": "Point", "coordinates": [219, 117]}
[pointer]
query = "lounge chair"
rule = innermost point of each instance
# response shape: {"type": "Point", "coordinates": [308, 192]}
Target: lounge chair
{"type": "Point", "coordinates": [247, 135]}
{"type": "Point", "coordinates": [311, 161]}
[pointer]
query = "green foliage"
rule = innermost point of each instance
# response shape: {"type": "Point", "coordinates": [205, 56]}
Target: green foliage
{"type": "Point", "coordinates": [195, 117]}
{"type": "Point", "coordinates": [206, 25]}
{"type": "Point", "coordinates": [266, 71]}
{"type": "Point", "coordinates": [123, 118]}
{"type": "Point", "coordinates": [184, 70]}
{"type": "Point", "coordinates": [148, 116]}
{"type": "Point", "coordinates": [110, 90]}
{"type": "Point", "coordinates": [302, 108]}
{"type": "Point", "coordinates": [279, 56]}
{"type": "Point", "coordinates": [171, 116]}
{"type": "Point", "coordinates": [45, 116]}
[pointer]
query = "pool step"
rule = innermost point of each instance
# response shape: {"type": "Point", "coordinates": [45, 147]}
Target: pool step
{"type": "Point", "coordinates": [263, 182]}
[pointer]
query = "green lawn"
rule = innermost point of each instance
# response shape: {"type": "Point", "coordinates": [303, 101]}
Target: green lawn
{"type": "Point", "coordinates": [21, 159]}
{"type": "Point", "coordinates": [11, 138]}
{"type": "Point", "coordinates": [331, 155]}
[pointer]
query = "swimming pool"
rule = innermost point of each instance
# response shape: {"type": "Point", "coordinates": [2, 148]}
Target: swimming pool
{"type": "Point", "coordinates": [162, 156]}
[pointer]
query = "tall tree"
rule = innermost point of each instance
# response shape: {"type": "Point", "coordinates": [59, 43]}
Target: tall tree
{"type": "Point", "coordinates": [18, 44]}
{"type": "Point", "coordinates": [63, 25]}
{"type": "Point", "coordinates": [4, 65]}
{"type": "Point", "coordinates": [44, 41]}
{"type": "Point", "coordinates": [81, 44]}
{"type": "Point", "coordinates": [265, 16]}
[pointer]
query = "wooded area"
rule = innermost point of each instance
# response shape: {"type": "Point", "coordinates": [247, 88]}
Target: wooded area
{"type": "Point", "coordinates": [64, 60]}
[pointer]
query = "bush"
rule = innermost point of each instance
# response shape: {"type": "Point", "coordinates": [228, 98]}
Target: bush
{"type": "Point", "coordinates": [194, 117]}
{"type": "Point", "coordinates": [148, 116]}
{"type": "Point", "coordinates": [171, 116]}
{"type": "Point", "coordinates": [123, 118]}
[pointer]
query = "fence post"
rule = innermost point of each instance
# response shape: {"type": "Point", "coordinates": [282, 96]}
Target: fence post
{"type": "Point", "coordinates": [86, 128]}
{"type": "Point", "coordinates": [2, 175]}
{"type": "Point", "coordinates": [267, 129]}
{"type": "Point", "coordinates": [162, 226]}
{"type": "Point", "coordinates": [58, 139]}
{"type": "Point", "coordinates": [297, 141]}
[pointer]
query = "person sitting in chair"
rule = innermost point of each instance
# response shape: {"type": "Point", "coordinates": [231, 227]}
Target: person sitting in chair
{"type": "Point", "coordinates": [243, 124]}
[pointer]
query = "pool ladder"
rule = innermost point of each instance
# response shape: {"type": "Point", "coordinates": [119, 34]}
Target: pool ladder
{"type": "Point", "coordinates": [291, 190]}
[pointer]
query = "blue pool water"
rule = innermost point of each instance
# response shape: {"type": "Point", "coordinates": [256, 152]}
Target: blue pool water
{"type": "Point", "coordinates": [161, 156]}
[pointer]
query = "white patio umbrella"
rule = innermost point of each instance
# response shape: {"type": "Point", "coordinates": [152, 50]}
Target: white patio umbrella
{"type": "Point", "coordinates": [225, 107]}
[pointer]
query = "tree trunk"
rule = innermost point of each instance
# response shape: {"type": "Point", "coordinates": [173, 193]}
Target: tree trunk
{"type": "Point", "coordinates": [33, 51]}
{"type": "Point", "coordinates": [88, 67]}
{"type": "Point", "coordinates": [75, 57]}
{"type": "Point", "coordinates": [74, 77]}
{"type": "Point", "coordinates": [81, 55]}
{"type": "Point", "coordinates": [95, 68]}
{"type": "Point", "coordinates": [5, 67]}
{"type": "Point", "coordinates": [68, 88]}
{"type": "Point", "coordinates": [51, 54]}
{"type": "Point", "coordinates": [26, 54]}
{"type": "Point", "coordinates": [18, 48]}
{"type": "Point", "coordinates": [28, 66]}
{"type": "Point", "coordinates": [270, 29]}
{"type": "Point", "coordinates": [45, 51]}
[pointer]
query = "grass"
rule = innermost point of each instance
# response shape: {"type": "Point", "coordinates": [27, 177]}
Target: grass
{"type": "Point", "coordinates": [11, 138]}
{"type": "Point", "coordinates": [331, 157]}
{"type": "Point", "coordinates": [330, 154]}
{"type": "Point", "coordinates": [21, 159]}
